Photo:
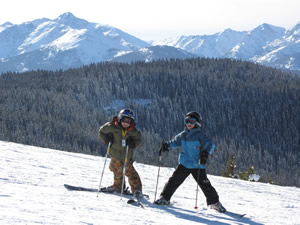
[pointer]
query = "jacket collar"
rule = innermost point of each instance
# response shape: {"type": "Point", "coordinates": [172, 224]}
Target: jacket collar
{"type": "Point", "coordinates": [194, 130]}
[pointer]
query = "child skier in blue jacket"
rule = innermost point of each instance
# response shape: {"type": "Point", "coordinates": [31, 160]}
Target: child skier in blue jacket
{"type": "Point", "coordinates": [195, 144]}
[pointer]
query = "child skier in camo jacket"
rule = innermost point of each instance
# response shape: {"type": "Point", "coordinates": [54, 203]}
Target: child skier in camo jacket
{"type": "Point", "coordinates": [195, 144]}
{"type": "Point", "coordinates": [121, 132]}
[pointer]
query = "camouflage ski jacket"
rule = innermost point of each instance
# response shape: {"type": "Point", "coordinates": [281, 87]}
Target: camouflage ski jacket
{"type": "Point", "coordinates": [117, 150]}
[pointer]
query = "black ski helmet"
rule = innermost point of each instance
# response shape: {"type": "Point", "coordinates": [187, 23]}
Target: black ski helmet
{"type": "Point", "coordinates": [195, 115]}
{"type": "Point", "coordinates": [125, 113]}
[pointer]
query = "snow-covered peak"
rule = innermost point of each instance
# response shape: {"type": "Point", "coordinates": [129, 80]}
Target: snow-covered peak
{"type": "Point", "coordinates": [283, 52]}
{"type": "Point", "coordinates": [37, 22]}
{"type": "Point", "coordinates": [293, 33]}
{"type": "Point", "coordinates": [67, 16]}
{"type": "Point", "coordinates": [89, 43]}
{"type": "Point", "coordinates": [171, 41]}
{"type": "Point", "coordinates": [294, 28]}
{"type": "Point", "coordinates": [227, 31]}
{"type": "Point", "coordinates": [267, 30]}
{"type": "Point", "coordinates": [215, 45]}
{"type": "Point", "coordinates": [255, 42]}
{"type": "Point", "coordinates": [95, 42]}
{"type": "Point", "coordinates": [5, 25]}
{"type": "Point", "coordinates": [69, 19]}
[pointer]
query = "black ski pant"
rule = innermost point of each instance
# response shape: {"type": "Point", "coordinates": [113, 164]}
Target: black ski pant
{"type": "Point", "coordinates": [180, 174]}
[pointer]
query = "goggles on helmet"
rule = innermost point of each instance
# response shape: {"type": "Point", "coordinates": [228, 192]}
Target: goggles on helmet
{"type": "Point", "coordinates": [127, 113]}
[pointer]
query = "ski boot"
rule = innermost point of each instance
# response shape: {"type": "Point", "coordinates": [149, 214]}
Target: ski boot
{"type": "Point", "coordinates": [218, 206]}
{"type": "Point", "coordinates": [110, 189]}
{"type": "Point", "coordinates": [137, 195]}
{"type": "Point", "coordinates": [162, 201]}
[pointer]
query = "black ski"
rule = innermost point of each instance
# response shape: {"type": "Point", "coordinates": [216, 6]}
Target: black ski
{"type": "Point", "coordinates": [135, 203]}
{"type": "Point", "coordinates": [77, 188]}
{"type": "Point", "coordinates": [103, 190]}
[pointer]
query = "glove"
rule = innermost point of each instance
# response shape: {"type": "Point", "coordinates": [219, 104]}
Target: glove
{"type": "Point", "coordinates": [203, 157]}
{"type": "Point", "coordinates": [130, 142]}
{"type": "Point", "coordinates": [109, 138]}
{"type": "Point", "coordinates": [164, 147]}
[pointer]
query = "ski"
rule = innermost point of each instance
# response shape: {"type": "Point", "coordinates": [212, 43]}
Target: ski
{"type": "Point", "coordinates": [135, 203]}
{"type": "Point", "coordinates": [102, 190]}
{"type": "Point", "coordinates": [229, 213]}
{"type": "Point", "coordinates": [136, 200]}
{"type": "Point", "coordinates": [77, 188]}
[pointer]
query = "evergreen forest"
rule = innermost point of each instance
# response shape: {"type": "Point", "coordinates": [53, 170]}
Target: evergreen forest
{"type": "Point", "coordinates": [251, 111]}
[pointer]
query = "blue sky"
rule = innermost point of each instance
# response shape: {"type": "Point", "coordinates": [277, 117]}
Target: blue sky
{"type": "Point", "coordinates": [158, 19]}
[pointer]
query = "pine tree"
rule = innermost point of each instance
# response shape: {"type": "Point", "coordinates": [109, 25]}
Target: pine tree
{"type": "Point", "coordinates": [229, 172]}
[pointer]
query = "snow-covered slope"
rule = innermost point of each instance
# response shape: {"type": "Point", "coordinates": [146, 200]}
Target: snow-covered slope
{"type": "Point", "coordinates": [254, 42]}
{"type": "Point", "coordinates": [207, 45]}
{"type": "Point", "coordinates": [149, 54]}
{"type": "Point", "coordinates": [61, 43]}
{"type": "Point", "coordinates": [32, 192]}
{"type": "Point", "coordinates": [266, 44]}
{"type": "Point", "coordinates": [284, 52]}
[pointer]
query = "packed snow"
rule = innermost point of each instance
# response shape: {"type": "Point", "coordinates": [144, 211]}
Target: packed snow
{"type": "Point", "coordinates": [32, 192]}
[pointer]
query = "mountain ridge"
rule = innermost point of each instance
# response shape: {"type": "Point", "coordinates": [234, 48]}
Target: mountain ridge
{"type": "Point", "coordinates": [78, 42]}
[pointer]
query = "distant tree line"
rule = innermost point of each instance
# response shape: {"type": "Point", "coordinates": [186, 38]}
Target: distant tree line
{"type": "Point", "coordinates": [250, 110]}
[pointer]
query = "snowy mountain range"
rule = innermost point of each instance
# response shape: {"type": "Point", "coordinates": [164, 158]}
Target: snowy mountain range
{"type": "Point", "coordinates": [32, 192]}
{"type": "Point", "coordinates": [266, 44]}
{"type": "Point", "coordinates": [61, 43]}
{"type": "Point", "coordinates": [68, 42]}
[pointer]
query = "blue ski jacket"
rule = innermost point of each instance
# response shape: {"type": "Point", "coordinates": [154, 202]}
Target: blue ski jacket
{"type": "Point", "coordinates": [191, 142]}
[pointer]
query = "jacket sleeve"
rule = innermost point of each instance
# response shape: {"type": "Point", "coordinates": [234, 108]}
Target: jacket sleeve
{"type": "Point", "coordinates": [207, 144]}
{"type": "Point", "coordinates": [137, 137]}
{"type": "Point", "coordinates": [176, 141]}
{"type": "Point", "coordinates": [103, 131]}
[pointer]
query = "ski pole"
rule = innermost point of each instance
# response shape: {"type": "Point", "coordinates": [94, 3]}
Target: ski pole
{"type": "Point", "coordinates": [124, 168]}
{"type": "Point", "coordinates": [198, 175]}
{"type": "Point", "coordinates": [107, 152]}
{"type": "Point", "coordinates": [159, 162]}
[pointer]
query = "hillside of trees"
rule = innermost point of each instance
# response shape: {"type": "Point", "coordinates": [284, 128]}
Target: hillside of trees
{"type": "Point", "coordinates": [251, 111]}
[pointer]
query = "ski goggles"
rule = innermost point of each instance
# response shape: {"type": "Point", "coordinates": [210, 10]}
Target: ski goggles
{"type": "Point", "coordinates": [192, 121]}
{"type": "Point", "coordinates": [126, 120]}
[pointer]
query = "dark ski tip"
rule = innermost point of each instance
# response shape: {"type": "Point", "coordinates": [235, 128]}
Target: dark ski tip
{"type": "Point", "coordinates": [135, 203]}
{"type": "Point", "coordinates": [77, 188]}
